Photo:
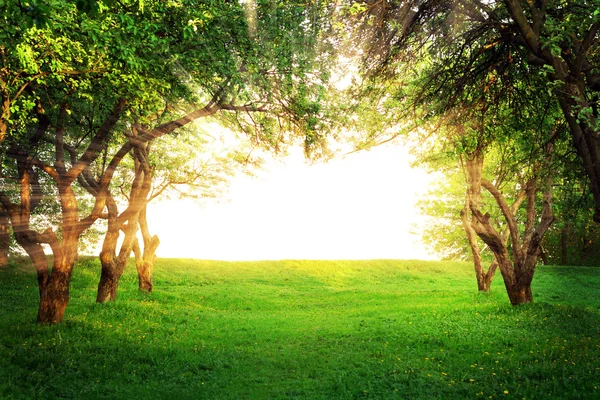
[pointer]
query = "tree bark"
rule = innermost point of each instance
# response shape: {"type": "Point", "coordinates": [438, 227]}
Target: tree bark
{"type": "Point", "coordinates": [484, 278]}
{"type": "Point", "coordinates": [54, 297]}
{"type": "Point", "coordinates": [520, 294]}
{"type": "Point", "coordinates": [109, 281]}
{"type": "Point", "coordinates": [4, 236]}
{"type": "Point", "coordinates": [145, 259]}
{"type": "Point", "coordinates": [113, 266]}
{"type": "Point", "coordinates": [564, 236]}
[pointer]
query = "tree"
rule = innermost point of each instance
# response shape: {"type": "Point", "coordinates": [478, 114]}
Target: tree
{"type": "Point", "coordinates": [518, 270]}
{"type": "Point", "coordinates": [127, 65]}
{"type": "Point", "coordinates": [459, 67]}
{"type": "Point", "coordinates": [113, 264]}
{"type": "Point", "coordinates": [565, 40]}
{"type": "Point", "coordinates": [514, 172]}
{"type": "Point", "coordinates": [448, 229]}
{"type": "Point", "coordinates": [158, 169]}
{"type": "Point", "coordinates": [475, 45]}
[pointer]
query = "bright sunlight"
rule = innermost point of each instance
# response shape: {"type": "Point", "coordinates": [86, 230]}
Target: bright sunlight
{"type": "Point", "coordinates": [358, 207]}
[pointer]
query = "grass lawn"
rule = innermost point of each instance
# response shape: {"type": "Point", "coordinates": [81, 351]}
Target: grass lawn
{"type": "Point", "coordinates": [304, 330]}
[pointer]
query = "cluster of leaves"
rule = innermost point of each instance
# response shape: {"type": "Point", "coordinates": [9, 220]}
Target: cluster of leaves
{"type": "Point", "coordinates": [460, 77]}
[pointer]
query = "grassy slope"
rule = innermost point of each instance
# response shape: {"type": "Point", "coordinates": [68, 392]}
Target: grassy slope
{"type": "Point", "coordinates": [305, 330]}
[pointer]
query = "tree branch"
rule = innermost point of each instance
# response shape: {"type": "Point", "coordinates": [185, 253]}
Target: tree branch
{"type": "Point", "coordinates": [59, 142]}
{"type": "Point", "coordinates": [508, 216]}
{"type": "Point", "coordinates": [518, 14]}
{"type": "Point", "coordinates": [96, 144]}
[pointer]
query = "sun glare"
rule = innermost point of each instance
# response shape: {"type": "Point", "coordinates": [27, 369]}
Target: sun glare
{"type": "Point", "coordinates": [358, 207]}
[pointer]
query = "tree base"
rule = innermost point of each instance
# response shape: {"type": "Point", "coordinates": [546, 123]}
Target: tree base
{"type": "Point", "coordinates": [145, 277]}
{"type": "Point", "coordinates": [107, 288]}
{"type": "Point", "coordinates": [520, 296]}
{"type": "Point", "coordinates": [52, 308]}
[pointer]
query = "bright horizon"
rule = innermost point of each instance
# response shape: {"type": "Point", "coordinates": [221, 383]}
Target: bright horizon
{"type": "Point", "coordinates": [358, 207]}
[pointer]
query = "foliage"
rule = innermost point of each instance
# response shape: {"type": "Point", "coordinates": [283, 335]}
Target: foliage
{"type": "Point", "coordinates": [306, 330]}
{"type": "Point", "coordinates": [484, 54]}
{"type": "Point", "coordinates": [436, 73]}
{"type": "Point", "coordinates": [170, 55]}
{"type": "Point", "coordinates": [443, 232]}
{"type": "Point", "coordinates": [89, 81]}
{"type": "Point", "coordinates": [573, 240]}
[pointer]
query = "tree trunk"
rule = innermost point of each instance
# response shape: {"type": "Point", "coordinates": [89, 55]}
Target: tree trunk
{"type": "Point", "coordinates": [474, 166]}
{"type": "Point", "coordinates": [144, 269]}
{"type": "Point", "coordinates": [109, 280]}
{"type": "Point", "coordinates": [4, 236]}
{"type": "Point", "coordinates": [145, 260]}
{"type": "Point", "coordinates": [54, 298]}
{"type": "Point", "coordinates": [485, 283]}
{"type": "Point", "coordinates": [113, 266]}
{"type": "Point", "coordinates": [110, 273]}
{"type": "Point", "coordinates": [484, 279]}
{"type": "Point", "coordinates": [520, 294]}
{"type": "Point", "coordinates": [584, 139]}
{"type": "Point", "coordinates": [145, 276]}
{"type": "Point", "coordinates": [564, 235]}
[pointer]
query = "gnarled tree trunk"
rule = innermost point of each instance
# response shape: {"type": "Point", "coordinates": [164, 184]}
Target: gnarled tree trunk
{"type": "Point", "coordinates": [517, 271]}
{"type": "Point", "coordinates": [113, 266]}
{"type": "Point", "coordinates": [474, 166]}
{"type": "Point", "coordinates": [474, 169]}
{"type": "Point", "coordinates": [54, 297]}
{"type": "Point", "coordinates": [484, 278]}
{"type": "Point", "coordinates": [144, 261]}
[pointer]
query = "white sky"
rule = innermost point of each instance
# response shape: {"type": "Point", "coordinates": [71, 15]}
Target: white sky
{"type": "Point", "coordinates": [358, 207]}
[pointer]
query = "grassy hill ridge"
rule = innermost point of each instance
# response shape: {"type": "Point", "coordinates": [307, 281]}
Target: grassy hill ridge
{"type": "Point", "coordinates": [307, 330]}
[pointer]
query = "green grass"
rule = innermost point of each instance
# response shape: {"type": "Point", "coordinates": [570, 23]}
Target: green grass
{"type": "Point", "coordinates": [304, 330]}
